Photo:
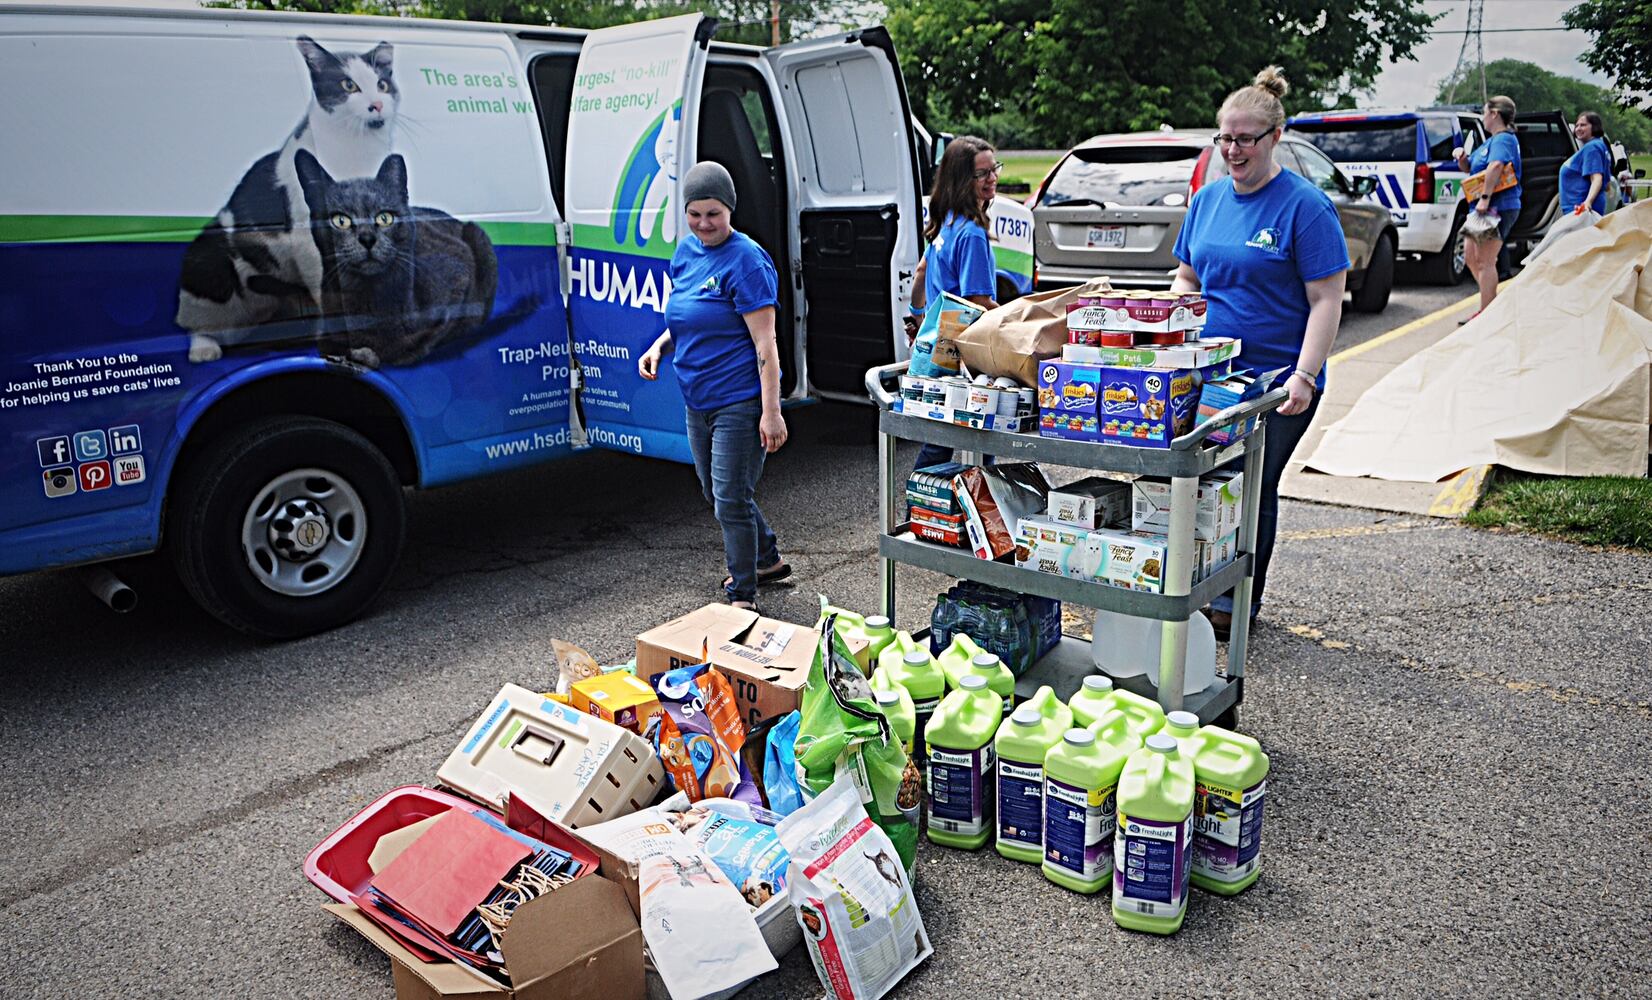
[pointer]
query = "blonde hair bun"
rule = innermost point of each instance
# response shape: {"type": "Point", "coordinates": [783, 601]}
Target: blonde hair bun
{"type": "Point", "coordinates": [1272, 80]}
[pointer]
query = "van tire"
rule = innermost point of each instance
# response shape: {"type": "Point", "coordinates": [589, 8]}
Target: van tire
{"type": "Point", "coordinates": [1447, 267]}
{"type": "Point", "coordinates": [250, 484]}
{"type": "Point", "coordinates": [1372, 295]}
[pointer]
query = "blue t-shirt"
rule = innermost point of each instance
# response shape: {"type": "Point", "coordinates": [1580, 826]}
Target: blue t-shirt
{"type": "Point", "coordinates": [960, 261]}
{"type": "Point", "coordinates": [1253, 254]}
{"type": "Point", "coordinates": [1593, 158]}
{"type": "Point", "coordinates": [1502, 146]}
{"type": "Point", "coordinates": [712, 288]}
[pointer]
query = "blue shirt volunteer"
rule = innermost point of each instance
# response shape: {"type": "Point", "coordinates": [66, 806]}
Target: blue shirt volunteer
{"type": "Point", "coordinates": [1502, 146]}
{"type": "Point", "coordinates": [1253, 253]}
{"type": "Point", "coordinates": [1593, 158]}
{"type": "Point", "coordinates": [712, 288]}
{"type": "Point", "coordinates": [960, 261]}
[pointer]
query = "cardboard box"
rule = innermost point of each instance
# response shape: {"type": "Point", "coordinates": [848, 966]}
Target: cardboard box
{"type": "Point", "coordinates": [1091, 503]}
{"type": "Point", "coordinates": [620, 697]}
{"type": "Point", "coordinates": [933, 488]}
{"type": "Point", "coordinates": [1215, 513]}
{"type": "Point", "coordinates": [1141, 315]}
{"type": "Point", "coordinates": [1132, 560]}
{"type": "Point", "coordinates": [766, 660]}
{"type": "Point", "coordinates": [935, 527]}
{"type": "Point", "coordinates": [1216, 395]}
{"type": "Point", "coordinates": [1193, 354]}
{"type": "Point", "coordinates": [1145, 407]}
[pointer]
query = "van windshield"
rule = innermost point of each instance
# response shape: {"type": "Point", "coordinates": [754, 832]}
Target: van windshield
{"type": "Point", "coordinates": [1122, 175]}
{"type": "Point", "coordinates": [1348, 142]}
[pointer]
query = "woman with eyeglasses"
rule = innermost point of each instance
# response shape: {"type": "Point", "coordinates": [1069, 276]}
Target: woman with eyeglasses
{"type": "Point", "coordinates": [1499, 153]}
{"type": "Point", "coordinates": [959, 256]}
{"type": "Point", "coordinates": [1265, 247]}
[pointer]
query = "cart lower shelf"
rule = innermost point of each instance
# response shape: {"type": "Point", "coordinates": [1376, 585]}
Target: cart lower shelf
{"type": "Point", "coordinates": [1065, 667]}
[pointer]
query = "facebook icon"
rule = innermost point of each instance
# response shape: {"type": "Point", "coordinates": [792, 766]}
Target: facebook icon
{"type": "Point", "coordinates": [53, 451]}
{"type": "Point", "coordinates": [125, 440]}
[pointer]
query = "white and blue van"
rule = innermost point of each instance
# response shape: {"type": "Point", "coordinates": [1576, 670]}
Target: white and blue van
{"type": "Point", "coordinates": [1409, 152]}
{"type": "Point", "coordinates": [261, 271]}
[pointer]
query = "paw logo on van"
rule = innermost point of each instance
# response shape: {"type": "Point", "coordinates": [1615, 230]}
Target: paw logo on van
{"type": "Point", "coordinates": [1266, 239]}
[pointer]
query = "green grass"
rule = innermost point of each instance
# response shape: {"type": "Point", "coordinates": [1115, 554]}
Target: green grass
{"type": "Point", "coordinates": [1637, 161]}
{"type": "Point", "coordinates": [1024, 168]}
{"type": "Point", "coordinates": [1599, 510]}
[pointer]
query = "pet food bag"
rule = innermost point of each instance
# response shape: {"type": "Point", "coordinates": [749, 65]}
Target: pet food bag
{"type": "Point", "coordinates": [700, 736]}
{"type": "Point", "coordinates": [995, 498]}
{"type": "Point", "coordinates": [851, 897]}
{"type": "Point", "coordinates": [842, 734]}
{"type": "Point", "coordinates": [700, 932]}
{"type": "Point", "coordinates": [935, 349]}
{"type": "Point", "coordinates": [780, 766]}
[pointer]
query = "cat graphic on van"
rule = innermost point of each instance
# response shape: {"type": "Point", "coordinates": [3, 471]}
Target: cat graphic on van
{"type": "Point", "coordinates": [256, 263]}
{"type": "Point", "coordinates": [398, 280]}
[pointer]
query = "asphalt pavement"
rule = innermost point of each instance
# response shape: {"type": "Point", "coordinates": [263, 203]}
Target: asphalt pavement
{"type": "Point", "coordinates": [1458, 722]}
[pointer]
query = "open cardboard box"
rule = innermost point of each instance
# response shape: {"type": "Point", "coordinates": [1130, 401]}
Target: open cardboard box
{"type": "Point", "coordinates": [580, 942]}
{"type": "Point", "coordinates": [766, 660]}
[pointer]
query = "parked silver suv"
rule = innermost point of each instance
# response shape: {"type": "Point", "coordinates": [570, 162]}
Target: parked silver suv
{"type": "Point", "coordinates": [1115, 203]}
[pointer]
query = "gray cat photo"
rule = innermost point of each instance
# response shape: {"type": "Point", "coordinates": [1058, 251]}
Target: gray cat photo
{"type": "Point", "coordinates": [258, 262]}
{"type": "Point", "coordinates": [398, 280]}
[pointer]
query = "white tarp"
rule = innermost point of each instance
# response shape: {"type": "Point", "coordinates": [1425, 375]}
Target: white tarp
{"type": "Point", "coordinates": [1554, 378]}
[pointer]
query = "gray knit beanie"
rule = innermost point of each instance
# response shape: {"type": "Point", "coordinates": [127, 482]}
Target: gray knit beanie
{"type": "Point", "coordinates": [708, 179]}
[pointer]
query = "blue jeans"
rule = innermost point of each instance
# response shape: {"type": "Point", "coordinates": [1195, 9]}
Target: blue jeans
{"type": "Point", "coordinates": [1283, 435]}
{"type": "Point", "coordinates": [728, 457]}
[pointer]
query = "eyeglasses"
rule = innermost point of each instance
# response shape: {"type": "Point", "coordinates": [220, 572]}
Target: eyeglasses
{"type": "Point", "coordinates": [1224, 140]}
{"type": "Point", "coordinates": [993, 171]}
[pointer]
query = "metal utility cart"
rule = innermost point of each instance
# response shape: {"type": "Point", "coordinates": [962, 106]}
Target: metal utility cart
{"type": "Point", "coordinates": [1187, 458]}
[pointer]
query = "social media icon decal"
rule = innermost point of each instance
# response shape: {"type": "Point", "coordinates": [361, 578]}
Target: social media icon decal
{"type": "Point", "coordinates": [95, 476]}
{"type": "Point", "coordinates": [125, 440]}
{"type": "Point", "coordinates": [90, 446]}
{"type": "Point", "coordinates": [53, 451]}
{"type": "Point", "coordinates": [60, 482]}
{"type": "Point", "coordinates": [129, 470]}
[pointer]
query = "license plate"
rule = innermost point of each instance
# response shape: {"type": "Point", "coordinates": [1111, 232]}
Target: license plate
{"type": "Point", "coordinates": [1104, 237]}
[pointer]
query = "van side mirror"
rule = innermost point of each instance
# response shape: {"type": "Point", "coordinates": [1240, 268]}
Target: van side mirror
{"type": "Point", "coordinates": [941, 139]}
{"type": "Point", "coordinates": [1364, 185]}
{"type": "Point", "coordinates": [1640, 174]}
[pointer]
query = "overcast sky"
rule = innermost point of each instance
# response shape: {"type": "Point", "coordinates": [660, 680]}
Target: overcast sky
{"type": "Point", "coordinates": [1409, 84]}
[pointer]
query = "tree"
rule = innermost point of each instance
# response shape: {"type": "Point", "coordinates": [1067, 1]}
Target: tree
{"type": "Point", "coordinates": [1534, 88]}
{"type": "Point", "coordinates": [1622, 32]}
{"type": "Point", "coordinates": [1073, 68]}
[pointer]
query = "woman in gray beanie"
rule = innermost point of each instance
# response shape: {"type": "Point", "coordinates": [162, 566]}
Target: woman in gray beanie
{"type": "Point", "coordinates": [720, 327]}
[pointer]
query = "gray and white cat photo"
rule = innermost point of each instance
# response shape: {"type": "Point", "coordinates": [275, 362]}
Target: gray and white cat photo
{"type": "Point", "coordinates": [258, 262]}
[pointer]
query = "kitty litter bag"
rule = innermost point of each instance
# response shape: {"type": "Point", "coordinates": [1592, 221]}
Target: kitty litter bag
{"type": "Point", "coordinates": [700, 735]}
{"type": "Point", "coordinates": [851, 897]}
{"type": "Point", "coordinates": [842, 734]}
{"type": "Point", "coordinates": [934, 350]}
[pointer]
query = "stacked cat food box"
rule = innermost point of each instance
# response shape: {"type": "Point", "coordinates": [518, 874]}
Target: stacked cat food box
{"type": "Point", "coordinates": [1114, 532]}
{"type": "Point", "coordinates": [1132, 369]}
{"type": "Point", "coordinates": [933, 505]}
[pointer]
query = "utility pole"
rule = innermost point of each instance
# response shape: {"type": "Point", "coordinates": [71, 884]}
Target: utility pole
{"type": "Point", "coordinates": [774, 22]}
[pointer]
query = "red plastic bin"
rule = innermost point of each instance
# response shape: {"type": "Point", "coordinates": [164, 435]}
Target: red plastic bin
{"type": "Point", "coordinates": [338, 865]}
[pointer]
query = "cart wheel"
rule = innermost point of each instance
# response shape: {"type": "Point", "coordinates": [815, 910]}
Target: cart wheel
{"type": "Point", "coordinates": [1228, 720]}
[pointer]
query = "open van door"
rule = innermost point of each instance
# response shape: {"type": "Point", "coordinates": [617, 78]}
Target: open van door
{"type": "Point", "coordinates": [858, 199]}
{"type": "Point", "coordinates": [624, 177]}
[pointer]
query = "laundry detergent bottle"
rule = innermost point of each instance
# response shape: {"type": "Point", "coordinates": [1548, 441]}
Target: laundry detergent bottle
{"type": "Point", "coordinates": [1142, 716]}
{"type": "Point", "coordinates": [1089, 700]}
{"type": "Point", "coordinates": [1023, 741]}
{"type": "Point", "coordinates": [891, 655]}
{"type": "Point", "coordinates": [1152, 849]}
{"type": "Point", "coordinates": [1184, 728]}
{"type": "Point", "coordinates": [956, 658]}
{"type": "Point", "coordinates": [917, 672]}
{"type": "Point", "coordinates": [878, 634]}
{"type": "Point", "coordinates": [1231, 773]}
{"type": "Point", "coordinates": [1051, 708]}
{"type": "Point", "coordinates": [896, 706]}
{"type": "Point", "coordinates": [1081, 776]}
{"type": "Point", "coordinates": [1000, 679]}
{"type": "Point", "coordinates": [962, 765]}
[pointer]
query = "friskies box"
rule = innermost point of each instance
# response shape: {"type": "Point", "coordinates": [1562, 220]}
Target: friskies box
{"type": "Point", "coordinates": [285, 265]}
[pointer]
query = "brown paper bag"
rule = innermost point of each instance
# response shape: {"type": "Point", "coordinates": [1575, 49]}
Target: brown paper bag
{"type": "Point", "coordinates": [1012, 339]}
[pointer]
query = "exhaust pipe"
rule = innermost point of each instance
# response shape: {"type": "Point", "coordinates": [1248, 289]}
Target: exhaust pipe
{"type": "Point", "coordinates": [109, 588]}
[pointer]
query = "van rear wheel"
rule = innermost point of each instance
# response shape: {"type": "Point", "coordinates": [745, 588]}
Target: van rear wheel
{"type": "Point", "coordinates": [287, 527]}
{"type": "Point", "coordinates": [1448, 267]}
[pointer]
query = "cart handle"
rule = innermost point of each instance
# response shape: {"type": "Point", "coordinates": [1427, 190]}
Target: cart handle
{"type": "Point", "coordinates": [1265, 403]}
{"type": "Point", "coordinates": [875, 379]}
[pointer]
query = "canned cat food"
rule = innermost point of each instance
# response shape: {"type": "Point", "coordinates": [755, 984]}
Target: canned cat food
{"type": "Point", "coordinates": [1115, 338]}
{"type": "Point", "coordinates": [957, 392]}
{"type": "Point", "coordinates": [1171, 339]}
{"type": "Point", "coordinates": [982, 399]}
{"type": "Point", "coordinates": [1026, 402]}
{"type": "Point", "coordinates": [912, 388]}
{"type": "Point", "coordinates": [934, 392]}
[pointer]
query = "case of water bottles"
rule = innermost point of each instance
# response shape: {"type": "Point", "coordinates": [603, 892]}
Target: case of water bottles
{"type": "Point", "coordinates": [993, 596]}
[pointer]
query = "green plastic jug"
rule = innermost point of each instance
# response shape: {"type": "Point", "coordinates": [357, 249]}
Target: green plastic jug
{"type": "Point", "coordinates": [1051, 708]}
{"type": "Point", "coordinates": [1089, 700]}
{"type": "Point", "coordinates": [955, 659]}
{"type": "Point", "coordinates": [1000, 679]}
{"type": "Point", "coordinates": [1184, 728]}
{"type": "Point", "coordinates": [878, 634]}
{"type": "Point", "coordinates": [1143, 716]}
{"type": "Point", "coordinates": [920, 675]}
{"type": "Point", "coordinates": [1230, 773]}
{"type": "Point", "coordinates": [961, 765]}
{"type": "Point", "coordinates": [1152, 851]}
{"type": "Point", "coordinates": [1023, 740]}
{"type": "Point", "coordinates": [891, 655]}
{"type": "Point", "coordinates": [1081, 776]}
{"type": "Point", "coordinates": [896, 706]}
{"type": "Point", "coordinates": [852, 627]}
